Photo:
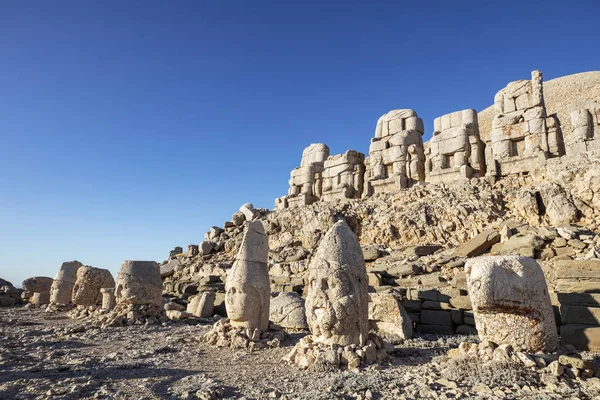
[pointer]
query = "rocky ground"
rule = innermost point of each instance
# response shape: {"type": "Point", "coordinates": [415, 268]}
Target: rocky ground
{"type": "Point", "coordinates": [46, 355]}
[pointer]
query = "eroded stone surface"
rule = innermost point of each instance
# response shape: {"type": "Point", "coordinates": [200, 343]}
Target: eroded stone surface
{"type": "Point", "coordinates": [90, 280]}
{"type": "Point", "coordinates": [287, 311]}
{"type": "Point", "coordinates": [337, 299]}
{"type": "Point", "coordinates": [61, 291]}
{"type": "Point", "coordinates": [248, 290]}
{"type": "Point", "coordinates": [39, 289]}
{"type": "Point", "coordinates": [511, 302]}
{"type": "Point", "coordinates": [139, 282]}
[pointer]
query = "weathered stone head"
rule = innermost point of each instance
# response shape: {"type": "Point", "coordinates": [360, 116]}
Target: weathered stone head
{"type": "Point", "coordinates": [38, 289]}
{"type": "Point", "coordinates": [139, 282]}
{"type": "Point", "coordinates": [90, 280]}
{"type": "Point", "coordinates": [62, 287]}
{"type": "Point", "coordinates": [337, 299]}
{"type": "Point", "coordinates": [511, 302]}
{"type": "Point", "coordinates": [247, 289]}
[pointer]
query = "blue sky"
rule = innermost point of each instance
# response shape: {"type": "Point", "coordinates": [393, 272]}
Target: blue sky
{"type": "Point", "coordinates": [130, 127]}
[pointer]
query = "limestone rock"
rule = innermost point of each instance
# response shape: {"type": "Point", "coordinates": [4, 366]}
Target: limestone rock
{"type": "Point", "coordinates": [168, 269]}
{"type": "Point", "coordinates": [238, 218]}
{"type": "Point", "coordinates": [90, 280]}
{"type": "Point", "coordinates": [249, 211]}
{"type": "Point", "coordinates": [388, 318]}
{"type": "Point", "coordinates": [139, 283]}
{"type": "Point", "coordinates": [337, 298]}
{"type": "Point", "coordinates": [62, 286]}
{"type": "Point", "coordinates": [511, 302]}
{"type": "Point", "coordinates": [559, 210]}
{"type": "Point", "coordinates": [202, 305]}
{"type": "Point", "coordinates": [287, 311]}
{"type": "Point", "coordinates": [109, 301]}
{"type": "Point", "coordinates": [479, 244]}
{"type": "Point", "coordinates": [39, 288]}
{"type": "Point", "coordinates": [248, 290]}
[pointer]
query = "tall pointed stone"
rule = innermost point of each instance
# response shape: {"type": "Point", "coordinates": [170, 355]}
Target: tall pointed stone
{"type": "Point", "coordinates": [337, 299]}
{"type": "Point", "coordinates": [248, 290]}
{"type": "Point", "coordinates": [62, 286]}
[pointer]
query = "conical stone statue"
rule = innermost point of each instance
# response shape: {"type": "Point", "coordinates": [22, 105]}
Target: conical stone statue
{"type": "Point", "coordinates": [62, 286]}
{"type": "Point", "coordinates": [337, 301]}
{"type": "Point", "coordinates": [248, 289]}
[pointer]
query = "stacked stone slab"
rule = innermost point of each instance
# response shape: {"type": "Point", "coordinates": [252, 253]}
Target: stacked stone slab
{"type": "Point", "coordinates": [324, 177]}
{"type": "Point", "coordinates": [520, 140]}
{"type": "Point", "coordinates": [306, 180]}
{"type": "Point", "coordinates": [37, 289]}
{"type": "Point", "coordinates": [511, 302]}
{"type": "Point", "coordinates": [577, 287]}
{"type": "Point", "coordinates": [90, 281]}
{"type": "Point", "coordinates": [455, 150]}
{"type": "Point", "coordinates": [396, 154]}
{"type": "Point", "coordinates": [343, 176]}
{"type": "Point", "coordinates": [61, 291]}
{"type": "Point", "coordinates": [586, 130]}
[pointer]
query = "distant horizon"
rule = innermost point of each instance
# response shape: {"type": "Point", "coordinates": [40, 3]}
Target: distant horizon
{"type": "Point", "coordinates": [131, 128]}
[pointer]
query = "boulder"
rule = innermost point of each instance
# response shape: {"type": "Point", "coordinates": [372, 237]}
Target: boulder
{"type": "Point", "coordinates": [168, 269]}
{"type": "Point", "coordinates": [39, 289]}
{"type": "Point", "coordinates": [249, 211]}
{"type": "Point", "coordinates": [479, 244]}
{"type": "Point", "coordinates": [90, 280]}
{"type": "Point", "coordinates": [202, 305]}
{"type": "Point", "coordinates": [287, 311]}
{"type": "Point", "coordinates": [388, 318]}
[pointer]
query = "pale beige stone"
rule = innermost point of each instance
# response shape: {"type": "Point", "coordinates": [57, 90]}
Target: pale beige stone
{"type": "Point", "coordinates": [109, 301]}
{"type": "Point", "coordinates": [287, 310]}
{"type": "Point", "coordinates": [202, 305]}
{"type": "Point", "coordinates": [90, 280]}
{"type": "Point", "coordinates": [39, 289]}
{"type": "Point", "coordinates": [337, 298]}
{"type": "Point", "coordinates": [247, 290]}
{"type": "Point", "coordinates": [139, 283]}
{"type": "Point", "coordinates": [62, 286]}
{"type": "Point", "coordinates": [391, 157]}
{"type": "Point", "coordinates": [388, 318]}
{"type": "Point", "coordinates": [511, 302]}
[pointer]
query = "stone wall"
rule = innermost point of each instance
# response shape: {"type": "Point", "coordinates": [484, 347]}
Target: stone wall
{"type": "Point", "coordinates": [455, 150]}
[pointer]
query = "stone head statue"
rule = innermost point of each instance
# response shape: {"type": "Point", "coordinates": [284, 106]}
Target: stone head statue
{"type": "Point", "coordinates": [337, 299]}
{"type": "Point", "coordinates": [247, 289]}
{"type": "Point", "coordinates": [139, 282]}
{"type": "Point", "coordinates": [90, 280]}
{"type": "Point", "coordinates": [62, 286]}
{"type": "Point", "coordinates": [37, 289]}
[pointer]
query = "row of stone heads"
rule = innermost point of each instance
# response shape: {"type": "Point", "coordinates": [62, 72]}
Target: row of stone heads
{"type": "Point", "coordinates": [509, 293]}
{"type": "Point", "coordinates": [138, 282]}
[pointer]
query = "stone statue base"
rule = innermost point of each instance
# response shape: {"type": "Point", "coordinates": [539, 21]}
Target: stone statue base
{"type": "Point", "coordinates": [223, 334]}
{"type": "Point", "coordinates": [318, 356]}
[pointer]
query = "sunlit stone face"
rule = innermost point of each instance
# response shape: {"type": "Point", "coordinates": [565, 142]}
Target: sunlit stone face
{"type": "Point", "coordinates": [337, 298]}
{"type": "Point", "coordinates": [242, 304]}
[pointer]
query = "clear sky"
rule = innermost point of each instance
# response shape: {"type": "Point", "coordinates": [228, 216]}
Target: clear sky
{"type": "Point", "coordinates": [130, 127]}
